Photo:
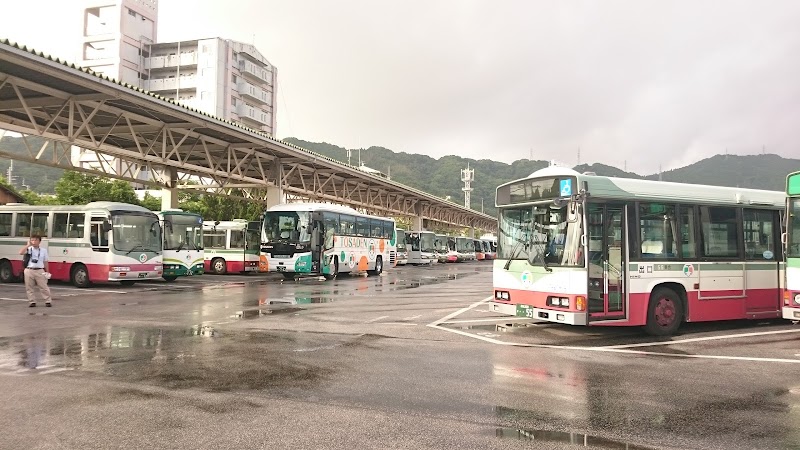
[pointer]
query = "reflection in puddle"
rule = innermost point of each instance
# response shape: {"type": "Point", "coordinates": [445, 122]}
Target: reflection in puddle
{"type": "Point", "coordinates": [256, 313]}
{"type": "Point", "coordinates": [197, 357]}
{"type": "Point", "coordinates": [425, 281]}
{"type": "Point", "coordinates": [579, 439]}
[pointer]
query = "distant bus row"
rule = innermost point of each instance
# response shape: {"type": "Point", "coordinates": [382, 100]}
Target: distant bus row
{"type": "Point", "coordinates": [426, 247]}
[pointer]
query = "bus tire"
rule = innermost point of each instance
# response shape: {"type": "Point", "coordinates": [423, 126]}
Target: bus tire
{"type": "Point", "coordinates": [288, 276]}
{"type": "Point", "coordinates": [170, 278]}
{"type": "Point", "coordinates": [334, 271]}
{"type": "Point", "coordinates": [378, 267]}
{"type": "Point", "coordinates": [127, 283]}
{"type": "Point", "coordinates": [664, 312]}
{"type": "Point", "coordinates": [6, 272]}
{"type": "Point", "coordinates": [219, 266]}
{"type": "Point", "coordinates": [80, 276]}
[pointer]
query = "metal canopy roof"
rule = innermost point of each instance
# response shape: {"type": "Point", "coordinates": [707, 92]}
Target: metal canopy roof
{"type": "Point", "coordinates": [68, 105]}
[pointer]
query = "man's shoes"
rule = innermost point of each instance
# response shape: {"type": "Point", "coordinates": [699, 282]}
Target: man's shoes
{"type": "Point", "coordinates": [48, 304]}
{"type": "Point", "coordinates": [32, 305]}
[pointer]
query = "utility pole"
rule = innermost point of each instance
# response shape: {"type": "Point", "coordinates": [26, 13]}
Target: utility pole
{"type": "Point", "coordinates": [467, 176]}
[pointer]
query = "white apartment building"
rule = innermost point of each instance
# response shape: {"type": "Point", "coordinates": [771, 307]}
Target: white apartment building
{"type": "Point", "coordinates": [221, 77]}
{"type": "Point", "coordinates": [224, 78]}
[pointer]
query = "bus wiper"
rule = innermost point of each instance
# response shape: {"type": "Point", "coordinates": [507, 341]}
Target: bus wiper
{"type": "Point", "coordinates": [134, 248]}
{"type": "Point", "coordinates": [515, 252]}
{"type": "Point", "coordinates": [180, 246]}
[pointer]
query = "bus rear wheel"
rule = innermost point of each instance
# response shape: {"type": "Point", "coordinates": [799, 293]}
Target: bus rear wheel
{"type": "Point", "coordinates": [334, 270]}
{"type": "Point", "coordinates": [288, 276]}
{"type": "Point", "coordinates": [664, 313]}
{"type": "Point", "coordinates": [378, 267]}
{"type": "Point", "coordinates": [219, 266]}
{"type": "Point", "coordinates": [80, 276]}
{"type": "Point", "coordinates": [6, 272]}
{"type": "Point", "coordinates": [170, 278]}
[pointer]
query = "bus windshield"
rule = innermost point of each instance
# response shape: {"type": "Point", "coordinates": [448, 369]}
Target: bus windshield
{"type": "Point", "coordinates": [793, 229]}
{"type": "Point", "coordinates": [401, 240]}
{"type": "Point", "coordinates": [540, 234]}
{"type": "Point", "coordinates": [427, 242]}
{"type": "Point", "coordinates": [134, 232]}
{"type": "Point", "coordinates": [464, 245]}
{"type": "Point", "coordinates": [183, 231]}
{"type": "Point", "coordinates": [289, 226]}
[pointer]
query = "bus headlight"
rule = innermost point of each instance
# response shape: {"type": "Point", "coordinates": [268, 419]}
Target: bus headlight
{"type": "Point", "coordinates": [502, 295]}
{"type": "Point", "coordinates": [797, 299]}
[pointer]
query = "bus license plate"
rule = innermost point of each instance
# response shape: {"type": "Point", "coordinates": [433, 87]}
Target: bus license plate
{"type": "Point", "coordinates": [525, 311]}
{"type": "Point", "coordinates": [281, 268]}
{"type": "Point", "coordinates": [143, 275]}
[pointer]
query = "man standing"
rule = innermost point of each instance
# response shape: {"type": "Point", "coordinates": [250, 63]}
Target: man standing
{"type": "Point", "coordinates": [35, 271]}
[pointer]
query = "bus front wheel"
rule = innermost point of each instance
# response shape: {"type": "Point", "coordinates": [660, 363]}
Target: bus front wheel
{"type": "Point", "coordinates": [378, 267]}
{"type": "Point", "coordinates": [170, 278]}
{"type": "Point", "coordinates": [289, 276]}
{"type": "Point", "coordinates": [80, 276]}
{"type": "Point", "coordinates": [218, 266]}
{"type": "Point", "coordinates": [664, 313]}
{"type": "Point", "coordinates": [6, 272]}
{"type": "Point", "coordinates": [334, 270]}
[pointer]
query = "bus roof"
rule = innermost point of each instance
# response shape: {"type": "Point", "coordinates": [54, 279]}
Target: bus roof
{"type": "Point", "coordinates": [650, 190]}
{"type": "Point", "coordinates": [331, 207]}
{"type": "Point", "coordinates": [105, 206]}
{"type": "Point", "coordinates": [177, 212]}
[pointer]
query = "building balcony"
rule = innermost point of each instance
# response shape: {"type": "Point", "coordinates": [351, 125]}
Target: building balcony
{"type": "Point", "coordinates": [254, 92]}
{"type": "Point", "coordinates": [252, 113]}
{"type": "Point", "coordinates": [172, 84]}
{"type": "Point", "coordinates": [249, 68]}
{"type": "Point", "coordinates": [169, 61]}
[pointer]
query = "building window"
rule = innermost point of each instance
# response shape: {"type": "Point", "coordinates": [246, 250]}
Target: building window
{"type": "Point", "coordinates": [233, 101]}
{"type": "Point", "coordinates": [234, 78]}
{"type": "Point", "coordinates": [132, 12]}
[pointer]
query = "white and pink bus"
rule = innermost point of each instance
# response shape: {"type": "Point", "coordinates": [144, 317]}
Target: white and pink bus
{"type": "Point", "coordinates": [582, 249]}
{"type": "Point", "coordinates": [231, 246]}
{"type": "Point", "coordinates": [97, 242]}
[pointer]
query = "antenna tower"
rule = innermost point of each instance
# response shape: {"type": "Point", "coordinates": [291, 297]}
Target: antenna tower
{"type": "Point", "coordinates": [467, 176]}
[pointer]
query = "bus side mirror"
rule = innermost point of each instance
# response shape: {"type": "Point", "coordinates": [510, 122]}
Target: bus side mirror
{"type": "Point", "coordinates": [107, 226]}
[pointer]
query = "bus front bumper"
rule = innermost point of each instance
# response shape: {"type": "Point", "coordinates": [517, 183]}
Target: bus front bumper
{"type": "Point", "coordinates": [791, 313]}
{"type": "Point", "coordinates": [545, 315]}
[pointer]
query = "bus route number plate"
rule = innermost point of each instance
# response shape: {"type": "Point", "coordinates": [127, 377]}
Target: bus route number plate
{"type": "Point", "coordinates": [525, 311]}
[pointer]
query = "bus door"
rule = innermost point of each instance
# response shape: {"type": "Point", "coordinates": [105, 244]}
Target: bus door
{"type": "Point", "coordinates": [97, 235]}
{"type": "Point", "coordinates": [608, 260]}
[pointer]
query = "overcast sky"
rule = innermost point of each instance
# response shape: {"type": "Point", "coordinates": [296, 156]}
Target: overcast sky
{"type": "Point", "coordinates": [650, 83]}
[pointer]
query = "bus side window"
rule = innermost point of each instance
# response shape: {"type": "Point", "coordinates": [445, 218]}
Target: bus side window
{"type": "Point", "coordinates": [23, 225]}
{"type": "Point", "coordinates": [5, 224]}
{"type": "Point", "coordinates": [60, 225]}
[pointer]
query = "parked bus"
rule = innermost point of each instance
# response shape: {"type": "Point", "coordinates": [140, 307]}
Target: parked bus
{"type": "Point", "coordinates": [480, 254]}
{"type": "Point", "coordinates": [231, 246]}
{"type": "Point", "coordinates": [97, 242]}
{"type": "Point", "coordinates": [183, 243]}
{"type": "Point", "coordinates": [325, 240]}
{"type": "Point", "coordinates": [490, 245]}
{"type": "Point", "coordinates": [443, 253]}
{"type": "Point", "coordinates": [465, 248]}
{"type": "Point", "coordinates": [589, 250]}
{"type": "Point", "coordinates": [402, 251]}
{"type": "Point", "coordinates": [791, 296]}
{"type": "Point", "coordinates": [421, 247]}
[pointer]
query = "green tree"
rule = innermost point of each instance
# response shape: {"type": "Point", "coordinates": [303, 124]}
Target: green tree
{"type": "Point", "coordinates": [151, 202]}
{"type": "Point", "coordinates": [34, 198]}
{"type": "Point", "coordinates": [78, 189]}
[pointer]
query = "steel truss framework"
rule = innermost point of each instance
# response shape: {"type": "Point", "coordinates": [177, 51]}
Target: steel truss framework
{"type": "Point", "coordinates": [69, 106]}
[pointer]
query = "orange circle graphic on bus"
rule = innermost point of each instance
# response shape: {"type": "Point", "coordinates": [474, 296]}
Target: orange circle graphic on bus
{"type": "Point", "coordinates": [363, 263]}
{"type": "Point", "coordinates": [382, 245]}
{"type": "Point", "coordinates": [263, 263]}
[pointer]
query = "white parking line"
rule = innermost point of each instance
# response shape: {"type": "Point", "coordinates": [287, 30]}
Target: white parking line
{"type": "Point", "coordinates": [496, 319]}
{"type": "Point", "coordinates": [412, 317]}
{"type": "Point", "coordinates": [701, 339]}
{"type": "Point", "coordinates": [611, 349]}
{"type": "Point", "coordinates": [14, 299]}
{"type": "Point", "coordinates": [376, 319]}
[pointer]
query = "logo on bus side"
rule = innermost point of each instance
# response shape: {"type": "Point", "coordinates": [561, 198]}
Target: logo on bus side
{"type": "Point", "coordinates": [688, 270]}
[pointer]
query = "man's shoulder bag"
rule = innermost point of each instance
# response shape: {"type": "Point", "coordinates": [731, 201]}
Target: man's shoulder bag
{"type": "Point", "coordinates": [26, 258]}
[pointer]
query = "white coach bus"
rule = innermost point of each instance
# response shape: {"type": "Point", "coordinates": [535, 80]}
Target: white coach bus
{"type": "Point", "coordinates": [97, 242]}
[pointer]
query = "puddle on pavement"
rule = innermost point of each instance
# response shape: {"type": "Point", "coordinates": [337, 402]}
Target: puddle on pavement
{"type": "Point", "coordinates": [198, 357]}
{"type": "Point", "coordinates": [400, 284]}
{"type": "Point", "coordinates": [256, 313]}
{"type": "Point", "coordinates": [579, 439]}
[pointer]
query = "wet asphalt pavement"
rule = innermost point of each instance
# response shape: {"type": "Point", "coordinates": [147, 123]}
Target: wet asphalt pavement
{"type": "Point", "coordinates": [411, 359]}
